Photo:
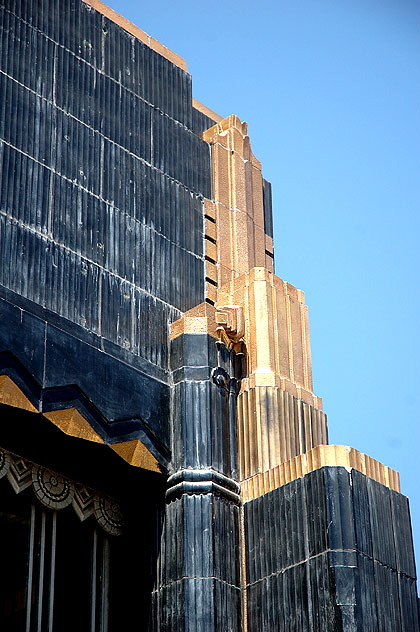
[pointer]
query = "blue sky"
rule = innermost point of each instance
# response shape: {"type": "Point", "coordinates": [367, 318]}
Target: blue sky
{"type": "Point", "coordinates": [331, 92]}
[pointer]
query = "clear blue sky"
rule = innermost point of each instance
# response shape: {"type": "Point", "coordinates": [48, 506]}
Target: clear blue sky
{"type": "Point", "coordinates": [331, 92]}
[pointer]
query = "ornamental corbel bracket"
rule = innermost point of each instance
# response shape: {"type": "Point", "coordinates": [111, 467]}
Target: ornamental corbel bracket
{"type": "Point", "coordinates": [230, 323]}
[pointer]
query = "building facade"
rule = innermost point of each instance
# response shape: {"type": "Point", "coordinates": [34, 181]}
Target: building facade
{"type": "Point", "coordinates": [164, 462]}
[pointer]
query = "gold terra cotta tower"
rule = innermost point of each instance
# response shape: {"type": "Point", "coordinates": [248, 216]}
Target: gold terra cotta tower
{"type": "Point", "coordinates": [283, 451]}
{"type": "Point", "coordinates": [282, 429]}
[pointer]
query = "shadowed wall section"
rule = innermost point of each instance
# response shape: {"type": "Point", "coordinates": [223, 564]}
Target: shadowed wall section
{"type": "Point", "coordinates": [103, 186]}
{"type": "Point", "coordinates": [199, 581]}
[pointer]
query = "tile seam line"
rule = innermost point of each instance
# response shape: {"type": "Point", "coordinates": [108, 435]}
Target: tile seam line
{"type": "Point", "coordinates": [234, 209]}
{"type": "Point", "coordinates": [98, 197]}
{"type": "Point", "coordinates": [93, 263]}
{"type": "Point", "coordinates": [196, 577]}
{"type": "Point", "coordinates": [102, 72]}
{"type": "Point", "coordinates": [101, 135]}
{"type": "Point", "coordinates": [189, 366]}
{"type": "Point", "coordinates": [174, 385]}
{"type": "Point", "coordinates": [152, 41]}
{"type": "Point", "coordinates": [313, 557]}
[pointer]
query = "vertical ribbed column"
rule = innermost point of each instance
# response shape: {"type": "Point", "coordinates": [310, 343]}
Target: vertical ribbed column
{"type": "Point", "coordinates": [199, 577]}
{"type": "Point", "coordinates": [331, 550]}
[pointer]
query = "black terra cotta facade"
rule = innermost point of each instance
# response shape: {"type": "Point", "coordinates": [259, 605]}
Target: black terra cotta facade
{"type": "Point", "coordinates": [104, 176]}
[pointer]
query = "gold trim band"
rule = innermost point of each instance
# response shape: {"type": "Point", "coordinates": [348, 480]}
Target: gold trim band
{"type": "Point", "coordinates": [320, 456]}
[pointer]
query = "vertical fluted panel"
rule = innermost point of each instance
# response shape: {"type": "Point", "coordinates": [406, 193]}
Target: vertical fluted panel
{"type": "Point", "coordinates": [279, 417]}
{"type": "Point", "coordinates": [200, 122]}
{"type": "Point", "coordinates": [338, 558]}
{"type": "Point", "coordinates": [189, 540]}
{"type": "Point", "coordinates": [102, 176]}
{"type": "Point", "coordinates": [205, 434]}
{"type": "Point", "coordinates": [274, 426]}
{"type": "Point", "coordinates": [198, 586]}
